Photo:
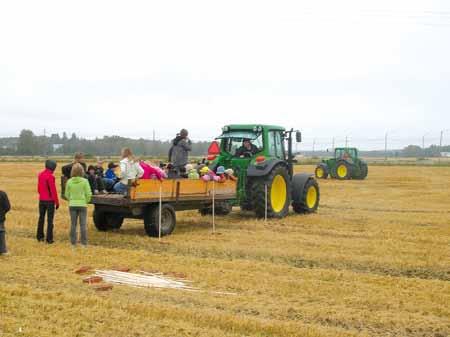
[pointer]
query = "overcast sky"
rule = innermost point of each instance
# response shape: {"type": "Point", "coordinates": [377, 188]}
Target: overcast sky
{"type": "Point", "coordinates": [330, 68]}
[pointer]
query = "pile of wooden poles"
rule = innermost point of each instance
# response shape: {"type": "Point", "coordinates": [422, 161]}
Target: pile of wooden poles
{"type": "Point", "coordinates": [143, 279]}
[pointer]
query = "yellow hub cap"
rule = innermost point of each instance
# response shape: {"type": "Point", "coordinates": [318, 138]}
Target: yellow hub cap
{"type": "Point", "coordinates": [319, 172]}
{"type": "Point", "coordinates": [278, 193]}
{"type": "Point", "coordinates": [311, 197]}
{"type": "Point", "coordinates": [342, 171]}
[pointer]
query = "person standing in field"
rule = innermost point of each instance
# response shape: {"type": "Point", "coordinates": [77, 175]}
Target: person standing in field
{"type": "Point", "coordinates": [78, 158]}
{"type": "Point", "coordinates": [129, 170]}
{"type": "Point", "coordinates": [78, 193]}
{"type": "Point", "coordinates": [5, 206]}
{"type": "Point", "coordinates": [48, 201]}
{"type": "Point", "coordinates": [179, 152]}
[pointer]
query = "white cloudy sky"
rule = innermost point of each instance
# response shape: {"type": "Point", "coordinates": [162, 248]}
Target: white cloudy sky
{"type": "Point", "coordinates": [331, 68]}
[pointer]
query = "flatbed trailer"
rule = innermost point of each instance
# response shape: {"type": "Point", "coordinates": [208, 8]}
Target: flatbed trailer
{"type": "Point", "coordinates": [145, 196]}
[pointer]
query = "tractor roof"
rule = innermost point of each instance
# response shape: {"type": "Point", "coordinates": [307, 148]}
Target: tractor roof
{"type": "Point", "coordinates": [346, 148]}
{"type": "Point", "coordinates": [251, 126]}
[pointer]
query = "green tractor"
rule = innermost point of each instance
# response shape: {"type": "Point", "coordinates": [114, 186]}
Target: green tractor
{"type": "Point", "coordinates": [262, 159]}
{"type": "Point", "coordinates": [346, 164]}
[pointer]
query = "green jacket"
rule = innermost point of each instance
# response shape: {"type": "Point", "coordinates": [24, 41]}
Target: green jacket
{"type": "Point", "coordinates": [78, 192]}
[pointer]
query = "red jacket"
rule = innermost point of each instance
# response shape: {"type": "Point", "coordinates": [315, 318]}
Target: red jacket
{"type": "Point", "coordinates": [47, 187]}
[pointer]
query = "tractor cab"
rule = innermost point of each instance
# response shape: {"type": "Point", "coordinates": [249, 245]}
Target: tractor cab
{"type": "Point", "coordinates": [243, 145]}
{"type": "Point", "coordinates": [345, 153]}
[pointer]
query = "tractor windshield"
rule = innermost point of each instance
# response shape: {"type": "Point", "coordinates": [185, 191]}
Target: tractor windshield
{"type": "Point", "coordinates": [345, 153]}
{"type": "Point", "coordinates": [233, 140]}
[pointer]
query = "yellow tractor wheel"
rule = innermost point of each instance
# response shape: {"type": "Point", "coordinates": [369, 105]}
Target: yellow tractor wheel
{"type": "Point", "coordinates": [321, 171]}
{"type": "Point", "coordinates": [306, 195]}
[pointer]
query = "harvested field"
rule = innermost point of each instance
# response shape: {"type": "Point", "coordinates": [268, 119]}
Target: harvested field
{"type": "Point", "coordinates": [374, 261]}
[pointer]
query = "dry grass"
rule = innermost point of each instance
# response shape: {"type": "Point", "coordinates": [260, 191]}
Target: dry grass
{"type": "Point", "coordinates": [375, 261]}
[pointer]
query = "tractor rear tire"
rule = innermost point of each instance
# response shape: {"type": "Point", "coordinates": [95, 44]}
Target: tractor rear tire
{"type": "Point", "coordinates": [105, 221]}
{"type": "Point", "coordinates": [321, 171]}
{"type": "Point", "coordinates": [364, 169]}
{"type": "Point", "coordinates": [309, 199]}
{"type": "Point", "coordinates": [221, 208]}
{"type": "Point", "coordinates": [343, 170]}
{"type": "Point", "coordinates": [278, 194]}
{"type": "Point", "coordinates": [151, 220]}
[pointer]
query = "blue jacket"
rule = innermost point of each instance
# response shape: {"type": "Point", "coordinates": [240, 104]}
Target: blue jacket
{"type": "Point", "coordinates": [110, 174]}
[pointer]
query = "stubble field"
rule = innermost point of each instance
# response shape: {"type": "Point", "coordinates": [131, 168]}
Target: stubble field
{"type": "Point", "coordinates": [374, 261]}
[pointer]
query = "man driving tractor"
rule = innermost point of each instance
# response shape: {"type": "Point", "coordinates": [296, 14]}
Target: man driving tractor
{"type": "Point", "coordinates": [247, 149]}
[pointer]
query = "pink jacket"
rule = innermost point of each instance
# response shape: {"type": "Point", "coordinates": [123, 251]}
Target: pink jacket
{"type": "Point", "coordinates": [151, 172]}
{"type": "Point", "coordinates": [47, 187]}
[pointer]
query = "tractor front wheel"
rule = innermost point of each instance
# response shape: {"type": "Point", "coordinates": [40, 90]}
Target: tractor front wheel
{"type": "Point", "coordinates": [343, 170]}
{"type": "Point", "coordinates": [308, 199]}
{"type": "Point", "coordinates": [321, 171]}
{"type": "Point", "coordinates": [278, 194]}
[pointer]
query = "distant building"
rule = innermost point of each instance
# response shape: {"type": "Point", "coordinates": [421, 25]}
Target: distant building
{"type": "Point", "coordinates": [56, 147]}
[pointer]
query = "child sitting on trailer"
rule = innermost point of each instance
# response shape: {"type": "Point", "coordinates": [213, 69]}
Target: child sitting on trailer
{"type": "Point", "coordinates": [192, 172]}
{"type": "Point", "coordinates": [152, 172]}
{"type": "Point", "coordinates": [96, 182]}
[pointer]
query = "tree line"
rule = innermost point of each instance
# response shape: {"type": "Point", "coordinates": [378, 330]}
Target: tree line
{"type": "Point", "coordinates": [29, 144]}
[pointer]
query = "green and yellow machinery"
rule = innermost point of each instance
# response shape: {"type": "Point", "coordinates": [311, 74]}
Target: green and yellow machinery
{"type": "Point", "coordinates": [266, 172]}
{"type": "Point", "coordinates": [346, 164]}
{"type": "Point", "coordinates": [265, 183]}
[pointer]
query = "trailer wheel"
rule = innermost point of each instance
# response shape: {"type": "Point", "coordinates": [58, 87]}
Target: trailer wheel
{"type": "Point", "coordinates": [114, 220]}
{"type": "Point", "coordinates": [105, 221]}
{"type": "Point", "coordinates": [151, 220]}
{"type": "Point", "coordinates": [100, 220]}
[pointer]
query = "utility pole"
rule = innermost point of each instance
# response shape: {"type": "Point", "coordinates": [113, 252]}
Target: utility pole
{"type": "Point", "coordinates": [333, 145]}
{"type": "Point", "coordinates": [154, 137]}
{"type": "Point", "coordinates": [385, 146]}
{"type": "Point", "coordinates": [346, 141]}
{"type": "Point", "coordinates": [314, 146]}
{"type": "Point", "coordinates": [45, 144]}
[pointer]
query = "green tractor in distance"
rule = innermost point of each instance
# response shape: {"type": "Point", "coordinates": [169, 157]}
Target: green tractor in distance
{"type": "Point", "coordinates": [346, 164]}
{"type": "Point", "coordinates": [263, 169]}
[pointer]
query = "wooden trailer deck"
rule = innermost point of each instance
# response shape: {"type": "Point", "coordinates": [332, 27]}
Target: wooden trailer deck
{"type": "Point", "coordinates": [172, 190]}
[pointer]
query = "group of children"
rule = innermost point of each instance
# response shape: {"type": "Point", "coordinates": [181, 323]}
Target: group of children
{"type": "Point", "coordinates": [83, 181]}
{"type": "Point", "coordinates": [203, 172]}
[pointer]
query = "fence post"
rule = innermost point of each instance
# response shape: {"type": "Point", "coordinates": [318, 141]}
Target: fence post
{"type": "Point", "coordinates": [265, 198]}
{"type": "Point", "coordinates": [160, 210]}
{"type": "Point", "coordinates": [214, 206]}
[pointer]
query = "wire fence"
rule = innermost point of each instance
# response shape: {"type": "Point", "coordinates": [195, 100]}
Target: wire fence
{"type": "Point", "coordinates": [385, 143]}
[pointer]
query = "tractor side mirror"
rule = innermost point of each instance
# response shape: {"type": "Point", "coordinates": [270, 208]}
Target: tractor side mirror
{"type": "Point", "coordinates": [298, 137]}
